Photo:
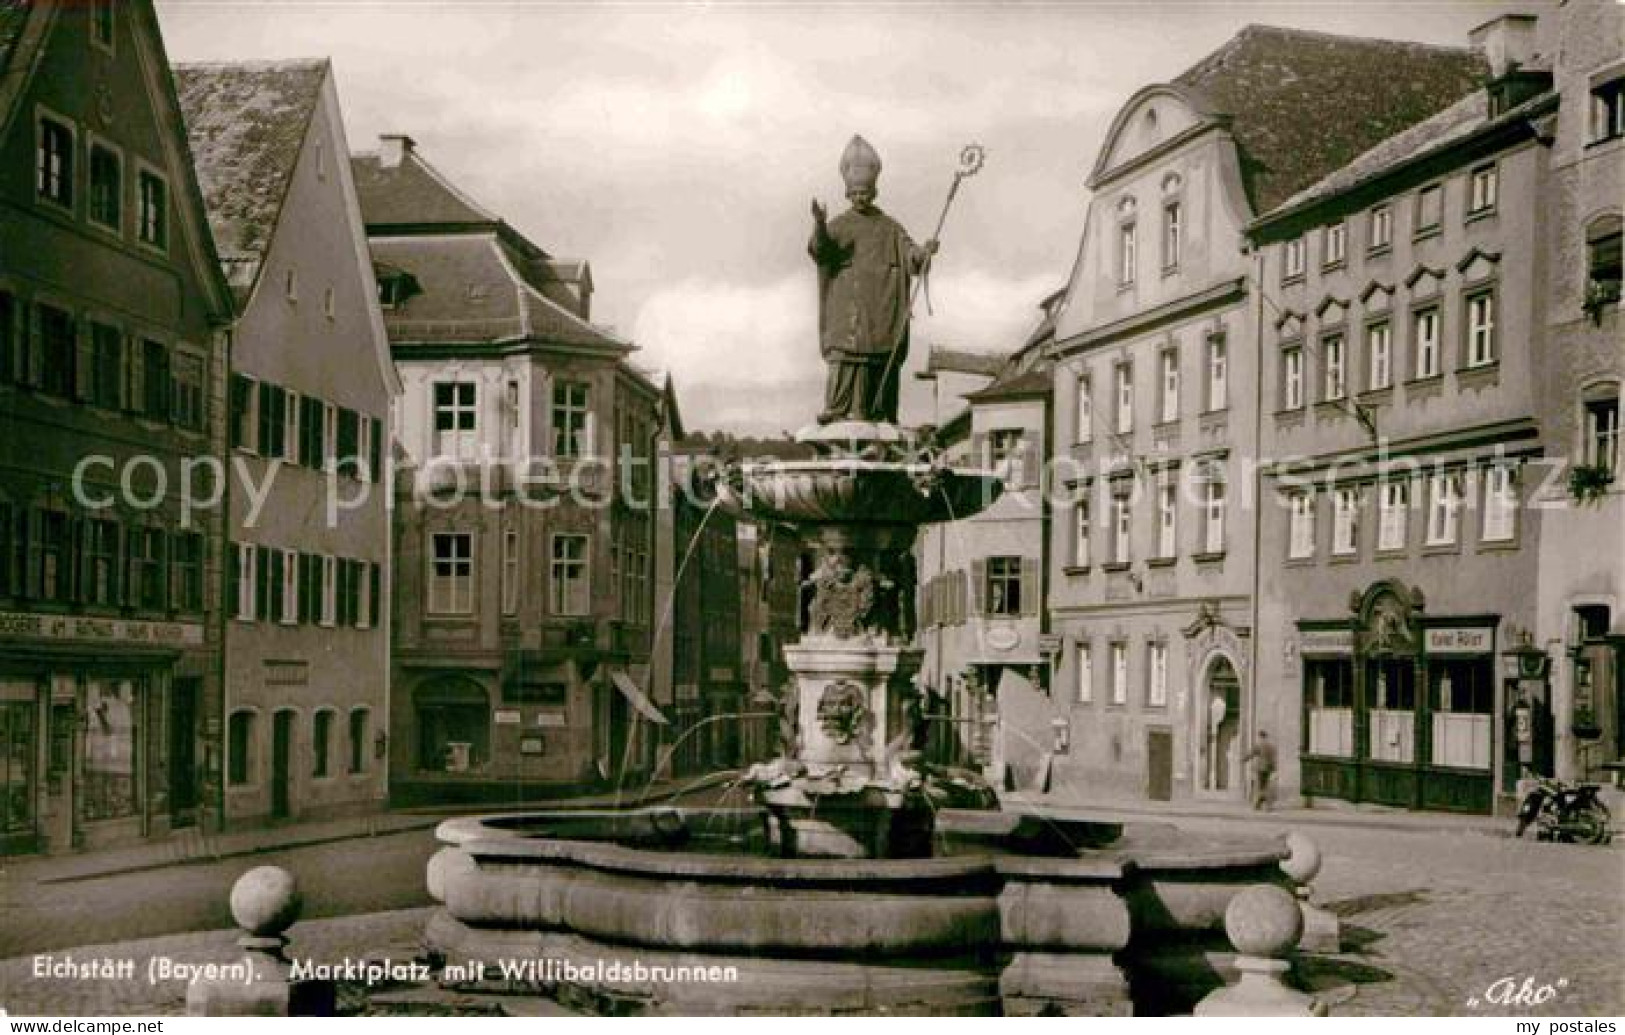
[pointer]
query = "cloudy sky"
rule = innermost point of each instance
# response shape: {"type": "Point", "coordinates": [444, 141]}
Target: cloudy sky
{"type": "Point", "coordinates": [676, 145]}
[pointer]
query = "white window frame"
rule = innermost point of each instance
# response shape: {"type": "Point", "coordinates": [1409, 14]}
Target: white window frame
{"type": "Point", "coordinates": [1081, 520]}
{"type": "Point", "coordinates": [1119, 688]}
{"type": "Point", "coordinates": [1425, 341]}
{"type": "Point", "coordinates": [1085, 430]}
{"type": "Point", "coordinates": [557, 588]}
{"type": "Point", "coordinates": [94, 143]}
{"type": "Point", "coordinates": [1435, 191]}
{"type": "Point", "coordinates": [1379, 344]}
{"type": "Point", "coordinates": [1300, 526]}
{"type": "Point", "coordinates": [1393, 513]}
{"type": "Point", "coordinates": [1122, 529]}
{"type": "Point", "coordinates": [247, 582]}
{"type": "Point", "coordinates": [1168, 363]}
{"type": "Point", "coordinates": [330, 435]}
{"type": "Point", "coordinates": [363, 593]}
{"type": "Point", "coordinates": [1483, 186]}
{"type": "Point", "coordinates": [1172, 234]}
{"type": "Point", "coordinates": [1167, 521]}
{"type": "Point", "coordinates": [1294, 259]}
{"type": "Point", "coordinates": [1086, 674]}
{"type": "Point", "coordinates": [1379, 228]}
{"type": "Point", "coordinates": [328, 616]}
{"type": "Point", "coordinates": [1156, 691]}
{"type": "Point", "coordinates": [287, 562]}
{"type": "Point", "coordinates": [1213, 507]}
{"type": "Point", "coordinates": [1345, 522]}
{"type": "Point", "coordinates": [1500, 503]}
{"type": "Point", "coordinates": [584, 445]}
{"type": "Point", "coordinates": [1600, 444]}
{"type": "Point", "coordinates": [1127, 253]}
{"type": "Point", "coordinates": [1481, 328]}
{"type": "Point", "coordinates": [1334, 244]}
{"type": "Point", "coordinates": [42, 115]}
{"type": "Point", "coordinates": [1124, 417]}
{"type": "Point", "coordinates": [456, 442]}
{"type": "Point", "coordinates": [143, 171]}
{"type": "Point", "coordinates": [1333, 355]}
{"type": "Point", "coordinates": [1444, 509]}
{"type": "Point", "coordinates": [1292, 377]}
{"type": "Point", "coordinates": [1218, 373]}
{"type": "Point", "coordinates": [510, 570]}
{"type": "Point", "coordinates": [452, 594]}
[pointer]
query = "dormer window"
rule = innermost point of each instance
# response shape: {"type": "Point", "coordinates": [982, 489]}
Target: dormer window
{"type": "Point", "coordinates": [394, 288]}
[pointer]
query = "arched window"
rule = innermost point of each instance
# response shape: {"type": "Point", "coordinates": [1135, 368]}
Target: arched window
{"type": "Point", "coordinates": [1603, 261]}
{"type": "Point", "coordinates": [321, 743]}
{"type": "Point", "coordinates": [454, 725]}
{"type": "Point", "coordinates": [241, 757]}
{"type": "Point", "coordinates": [358, 740]}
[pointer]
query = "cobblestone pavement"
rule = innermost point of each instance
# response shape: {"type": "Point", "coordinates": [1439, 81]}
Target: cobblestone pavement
{"type": "Point", "coordinates": [1432, 922]}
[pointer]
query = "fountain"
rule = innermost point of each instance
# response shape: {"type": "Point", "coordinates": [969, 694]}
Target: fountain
{"type": "Point", "coordinates": [849, 886]}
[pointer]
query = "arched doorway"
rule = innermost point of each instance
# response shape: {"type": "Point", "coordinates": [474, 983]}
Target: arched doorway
{"type": "Point", "coordinates": [1221, 712]}
{"type": "Point", "coordinates": [454, 725]}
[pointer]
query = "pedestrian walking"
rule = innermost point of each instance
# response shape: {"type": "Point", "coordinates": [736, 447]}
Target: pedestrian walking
{"type": "Point", "coordinates": [1262, 757]}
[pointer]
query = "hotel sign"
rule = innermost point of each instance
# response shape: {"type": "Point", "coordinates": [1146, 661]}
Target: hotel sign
{"type": "Point", "coordinates": [109, 632]}
{"type": "Point", "coordinates": [1459, 641]}
{"type": "Point", "coordinates": [1326, 641]}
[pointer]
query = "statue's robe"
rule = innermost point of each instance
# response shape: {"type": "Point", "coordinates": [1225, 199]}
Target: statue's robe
{"type": "Point", "coordinates": [866, 263]}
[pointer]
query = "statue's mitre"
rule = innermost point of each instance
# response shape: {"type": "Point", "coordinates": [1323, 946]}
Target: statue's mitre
{"type": "Point", "coordinates": [860, 164]}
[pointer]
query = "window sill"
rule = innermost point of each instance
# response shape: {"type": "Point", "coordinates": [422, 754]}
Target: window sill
{"type": "Point", "coordinates": [1294, 413]}
{"type": "Point", "coordinates": [1171, 271]}
{"type": "Point", "coordinates": [1426, 232]}
{"type": "Point", "coordinates": [1498, 545]}
{"type": "Point", "coordinates": [1430, 381]}
{"type": "Point", "coordinates": [1116, 566]}
{"type": "Point", "coordinates": [1390, 553]}
{"type": "Point", "coordinates": [1292, 281]}
{"type": "Point", "coordinates": [1349, 557]}
{"type": "Point", "coordinates": [1161, 562]}
{"type": "Point", "coordinates": [1307, 561]}
{"type": "Point", "coordinates": [1479, 216]}
{"type": "Point", "coordinates": [1379, 251]}
{"type": "Point", "coordinates": [1076, 569]}
{"type": "Point", "coordinates": [1440, 549]}
{"type": "Point", "coordinates": [1483, 373]}
{"type": "Point", "coordinates": [1208, 557]}
{"type": "Point", "coordinates": [1377, 396]}
{"type": "Point", "coordinates": [1334, 266]}
{"type": "Point", "coordinates": [1125, 286]}
{"type": "Point", "coordinates": [1333, 407]}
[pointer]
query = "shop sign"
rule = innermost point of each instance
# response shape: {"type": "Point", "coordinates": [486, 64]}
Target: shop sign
{"type": "Point", "coordinates": [551, 719]}
{"type": "Point", "coordinates": [1459, 641]}
{"type": "Point", "coordinates": [506, 716]}
{"type": "Point", "coordinates": [21, 625]}
{"type": "Point", "coordinates": [1326, 641]}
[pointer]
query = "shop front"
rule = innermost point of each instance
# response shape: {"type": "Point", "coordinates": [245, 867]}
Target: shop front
{"type": "Point", "coordinates": [98, 747]}
{"type": "Point", "coordinates": [1401, 707]}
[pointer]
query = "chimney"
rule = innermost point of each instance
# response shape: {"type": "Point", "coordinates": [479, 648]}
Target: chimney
{"type": "Point", "coordinates": [1507, 42]}
{"type": "Point", "coordinates": [392, 148]}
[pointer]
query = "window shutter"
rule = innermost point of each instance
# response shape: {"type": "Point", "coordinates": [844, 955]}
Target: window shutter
{"type": "Point", "coordinates": [262, 583]}
{"type": "Point", "coordinates": [135, 393]}
{"type": "Point", "coordinates": [375, 575]}
{"type": "Point", "coordinates": [978, 586]}
{"type": "Point", "coordinates": [33, 349]}
{"type": "Point", "coordinates": [302, 578]}
{"type": "Point", "coordinates": [84, 367]}
{"type": "Point", "coordinates": [1029, 586]}
{"type": "Point", "coordinates": [234, 577]}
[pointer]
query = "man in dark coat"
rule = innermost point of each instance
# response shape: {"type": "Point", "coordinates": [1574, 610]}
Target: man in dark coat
{"type": "Point", "coordinates": [866, 263]}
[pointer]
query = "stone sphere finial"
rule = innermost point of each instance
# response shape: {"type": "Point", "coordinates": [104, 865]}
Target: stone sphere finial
{"type": "Point", "coordinates": [1264, 921]}
{"type": "Point", "coordinates": [265, 901]}
{"type": "Point", "coordinates": [1304, 862]}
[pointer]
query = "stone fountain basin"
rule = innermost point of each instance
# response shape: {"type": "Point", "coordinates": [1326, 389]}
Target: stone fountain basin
{"type": "Point", "coordinates": [843, 491]}
{"type": "Point", "coordinates": [1017, 913]}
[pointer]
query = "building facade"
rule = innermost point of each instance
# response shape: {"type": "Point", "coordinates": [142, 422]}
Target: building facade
{"type": "Point", "coordinates": [113, 349]}
{"type": "Point", "coordinates": [524, 515]}
{"type": "Point", "coordinates": [1402, 428]}
{"type": "Point", "coordinates": [307, 565]}
{"type": "Point", "coordinates": [1156, 392]}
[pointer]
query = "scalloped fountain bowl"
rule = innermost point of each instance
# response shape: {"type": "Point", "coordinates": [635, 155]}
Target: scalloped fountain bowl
{"type": "Point", "coordinates": [848, 491]}
{"type": "Point", "coordinates": [685, 911]}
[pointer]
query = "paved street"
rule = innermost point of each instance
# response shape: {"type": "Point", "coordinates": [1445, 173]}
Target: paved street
{"type": "Point", "coordinates": [1432, 919]}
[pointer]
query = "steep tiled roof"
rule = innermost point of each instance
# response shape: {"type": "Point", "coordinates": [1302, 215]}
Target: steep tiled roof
{"type": "Point", "coordinates": [472, 292]}
{"type": "Point", "coordinates": [411, 192]}
{"type": "Point", "coordinates": [963, 361]}
{"type": "Point", "coordinates": [1301, 104]}
{"type": "Point", "coordinates": [13, 13]}
{"type": "Point", "coordinates": [246, 122]}
{"type": "Point", "coordinates": [1031, 384]}
{"type": "Point", "coordinates": [1431, 135]}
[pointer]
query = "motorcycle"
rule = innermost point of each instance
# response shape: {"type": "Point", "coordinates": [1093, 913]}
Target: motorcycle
{"type": "Point", "coordinates": [1564, 812]}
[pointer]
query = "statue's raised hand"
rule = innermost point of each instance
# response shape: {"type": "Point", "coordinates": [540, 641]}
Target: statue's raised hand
{"type": "Point", "coordinates": [818, 212]}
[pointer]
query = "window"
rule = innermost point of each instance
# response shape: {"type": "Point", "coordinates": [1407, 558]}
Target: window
{"type": "Point", "coordinates": [188, 391]}
{"type": "Point", "coordinates": [329, 305]}
{"type": "Point", "coordinates": [1170, 385]}
{"type": "Point", "coordinates": [1481, 329]}
{"type": "Point", "coordinates": [50, 555]}
{"type": "Point", "coordinates": [287, 597]}
{"type": "Point", "coordinates": [1080, 536]}
{"type": "Point", "coordinates": [1336, 377]}
{"type": "Point", "coordinates": [510, 571]}
{"type": "Point", "coordinates": [455, 418]}
{"type": "Point", "coordinates": [1334, 244]}
{"type": "Point", "coordinates": [1393, 504]}
{"type": "Point", "coordinates": [312, 433]}
{"type": "Point", "coordinates": [1379, 229]}
{"type": "Point", "coordinates": [1293, 259]}
{"type": "Point", "coordinates": [1086, 412]}
{"type": "Point", "coordinates": [568, 575]}
{"type": "Point", "coordinates": [454, 726]}
{"type": "Point", "coordinates": [103, 542]}
{"type": "Point", "coordinates": [106, 187]}
{"type": "Point", "coordinates": [1481, 190]}
{"type": "Point", "coordinates": [1122, 528]}
{"type": "Point", "coordinates": [1345, 522]}
{"type": "Point", "coordinates": [273, 421]}
{"type": "Point", "coordinates": [107, 358]}
{"type": "Point", "coordinates": [101, 23]}
{"type": "Point", "coordinates": [1425, 342]}
{"type": "Point", "coordinates": [1379, 351]}
{"type": "Point", "coordinates": [147, 572]}
{"type": "Point", "coordinates": [1125, 398]}
{"type": "Point", "coordinates": [1127, 257]}
{"type": "Point", "coordinates": [1301, 526]}
{"type": "Point", "coordinates": [1003, 586]}
{"type": "Point", "coordinates": [1500, 503]}
{"type": "Point", "coordinates": [1167, 521]}
{"type": "Point", "coordinates": [152, 210]}
{"type": "Point", "coordinates": [451, 573]}
{"type": "Point", "coordinates": [329, 615]}
{"type": "Point", "coordinates": [1292, 378]}
{"type": "Point", "coordinates": [155, 380]}
{"type": "Point", "coordinates": [9, 337]}
{"type": "Point", "coordinates": [240, 759]}
{"type": "Point", "coordinates": [358, 741]}
{"type": "Point", "coordinates": [1213, 515]}
{"type": "Point", "coordinates": [1005, 455]}
{"type": "Point", "coordinates": [58, 351]}
{"type": "Point", "coordinates": [240, 581]}
{"type": "Point", "coordinates": [571, 421]}
{"type": "Point", "coordinates": [1391, 684]}
{"type": "Point", "coordinates": [1119, 673]}
{"type": "Point", "coordinates": [321, 743]}
{"type": "Point", "coordinates": [1463, 693]}
{"type": "Point", "coordinates": [1608, 111]}
{"type": "Point", "coordinates": [1086, 674]}
{"type": "Point", "coordinates": [1429, 209]}
{"type": "Point", "coordinates": [347, 448]}
{"type": "Point", "coordinates": [1329, 687]}
{"type": "Point", "coordinates": [1172, 216]}
{"type": "Point", "coordinates": [290, 285]}
{"type": "Point", "coordinates": [1601, 445]}
{"type": "Point", "coordinates": [1156, 691]}
{"type": "Point", "coordinates": [186, 571]}
{"type": "Point", "coordinates": [1218, 373]}
{"type": "Point", "coordinates": [1444, 502]}
{"type": "Point", "coordinates": [242, 413]}
{"type": "Point", "coordinates": [54, 162]}
{"type": "Point", "coordinates": [1603, 261]}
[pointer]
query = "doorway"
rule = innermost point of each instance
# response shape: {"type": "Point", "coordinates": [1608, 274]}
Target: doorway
{"type": "Point", "coordinates": [1159, 754]}
{"type": "Point", "coordinates": [281, 763]}
{"type": "Point", "coordinates": [1223, 720]}
{"type": "Point", "coordinates": [183, 705]}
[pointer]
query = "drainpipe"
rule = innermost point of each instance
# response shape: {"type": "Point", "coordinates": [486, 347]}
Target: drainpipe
{"type": "Point", "coordinates": [1250, 699]}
